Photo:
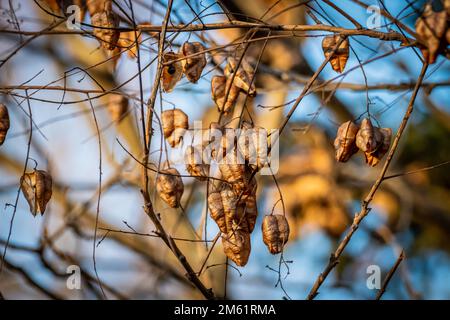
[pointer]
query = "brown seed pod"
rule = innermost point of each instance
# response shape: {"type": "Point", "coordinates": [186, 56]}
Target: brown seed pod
{"type": "Point", "coordinates": [234, 173]}
{"type": "Point", "coordinates": [117, 107]}
{"type": "Point", "coordinates": [174, 124]}
{"type": "Point", "coordinates": [96, 6]}
{"type": "Point", "coordinates": [105, 28]}
{"type": "Point", "coordinates": [250, 210]}
{"type": "Point", "coordinates": [237, 246]}
{"type": "Point", "coordinates": [339, 59]}
{"type": "Point", "coordinates": [37, 189]}
{"type": "Point", "coordinates": [4, 122]}
{"type": "Point", "coordinates": [169, 186]}
{"type": "Point", "coordinates": [216, 210]}
{"type": "Point", "coordinates": [195, 164]}
{"type": "Point", "coordinates": [243, 77]}
{"type": "Point", "coordinates": [128, 41]}
{"type": "Point", "coordinates": [219, 87]}
{"type": "Point", "coordinates": [368, 137]}
{"type": "Point", "coordinates": [172, 72]}
{"type": "Point", "coordinates": [193, 66]}
{"type": "Point", "coordinates": [374, 158]}
{"type": "Point", "coordinates": [345, 141]}
{"type": "Point", "coordinates": [275, 230]}
{"type": "Point", "coordinates": [432, 28]}
{"type": "Point", "coordinates": [253, 145]}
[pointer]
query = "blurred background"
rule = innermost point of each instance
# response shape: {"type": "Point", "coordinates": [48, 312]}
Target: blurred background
{"type": "Point", "coordinates": [410, 212]}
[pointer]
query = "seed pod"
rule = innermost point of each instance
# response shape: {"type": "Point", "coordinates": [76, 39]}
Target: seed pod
{"type": "Point", "coordinates": [170, 187]}
{"type": "Point", "coordinates": [373, 158]}
{"type": "Point", "coordinates": [194, 163]}
{"type": "Point", "coordinates": [193, 66]}
{"type": "Point", "coordinates": [253, 144]}
{"type": "Point", "coordinates": [81, 4]}
{"type": "Point", "coordinates": [37, 189]}
{"type": "Point", "coordinates": [174, 123]}
{"type": "Point", "coordinates": [275, 230]}
{"type": "Point", "coordinates": [233, 172]}
{"type": "Point", "coordinates": [96, 6]}
{"type": "Point", "coordinates": [117, 107]}
{"type": "Point", "coordinates": [243, 77]}
{"type": "Point", "coordinates": [216, 210]}
{"type": "Point", "coordinates": [172, 72]}
{"type": "Point", "coordinates": [345, 141]}
{"type": "Point", "coordinates": [128, 41]}
{"type": "Point", "coordinates": [250, 210]}
{"type": "Point", "coordinates": [219, 87]}
{"type": "Point", "coordinates": [431, 27]}
{"type": "Point", "coordinates": [367, 138]}
{"type": "Point", "coordinates": [4, 122]}
{"type": "Point", "coordinates": [339, 59]}
{"type": "Point", "coordinates": [237, 246]}
{"type": "Point", "coordinates": [108, 35]}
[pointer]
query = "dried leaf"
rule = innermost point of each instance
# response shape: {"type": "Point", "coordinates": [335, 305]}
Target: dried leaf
{"type": "Point", "coordinates": [108, 34]}
{"type": "Point", "coordinates": [4, 122]}
{"type": "Point", "coordinates": [345, 141]}
{"type": "Point", "coordinates": [37, 189]}
{"type": "Point", "coordinates": [169, 186]}
{"type": "Point", "coordinates": [374, 158]}
{"type": "Point", "coordinates": [275, 230]}
{"type": "Point", "coordinates": [117, 107]}
{"type": "Point", "coordinates": [174, 124]}
{"type": "Point", "coordinates": [339, 59]}
{"type": "Point", "coordinates": [172, 72]}
{"type": "Point", "coordinates": [193, 66]}
{"type": "Point", "coordinates": [431, 27]}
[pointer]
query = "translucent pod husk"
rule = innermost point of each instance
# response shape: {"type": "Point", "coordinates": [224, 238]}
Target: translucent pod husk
{"type": "Point", "coordinates": [216, 209]}
{"type": "Point", "coordinates": [253, 145]}
{"type": "Point", "coordinates": [194, 163]}
{"type": "Point", "coordinates": [345, 141]}
{"type": "Point", "coordinates": [194, 65]}
{"type": "Point", "coordinates": [117, 107]}
{"type": "Point", "coordinates": [4, 122]}
{"type": "Point", "coordinates": [174, 124]}
{"type": "Point", "coordinates": [339, 58]}
{"type": "Point", "coordinates": [105, 30]}
{"type": "Point", "coordinates": [95, 6]}
{"type": "Point", "coordinates": [169, 186]}
{"type": "Point", "coordinates": [250, 210]}
{"type": "Point", "coordinates": [368, 137]}
{"type": "Point", "coordinates": [244, 75]}
{"type": "Point", "coordinates": [219, 88]}
{"type": "Point", "coordinates": [36, 187]}
{"type": "Point", "coordinates": [374, 158]}
{"type": "Point", "coordinates": [237, 246]}
{"type": "Point", "coordinates": [171, 73]}
{"type": "Point", "coordinates": [275, 231]}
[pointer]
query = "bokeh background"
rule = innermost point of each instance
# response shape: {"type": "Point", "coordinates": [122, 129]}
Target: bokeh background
{"type": "Point", "coordinates": [410, 212]}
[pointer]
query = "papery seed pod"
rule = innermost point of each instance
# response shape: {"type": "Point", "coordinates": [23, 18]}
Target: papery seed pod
{"type": "Point", "coordinates": [243, 77]}
{"type": "Point", "coordinates": [250, 210]}
{"type": "Point", "coordinates": [95, 6]}
{"type": "Point", "coordinates": [373, 158]}
{"type": "Point", "coordinates": [339, 59]}
{"type": "Point", "coordinates": [431, 26]}
{"type": "Point", "coordinates": [216, 210]}
{"type": "Point", "coordinates": [275, 230]}
{"type": "Point", "coordinates": [127, 40]}
{"type": "Point", "coordinates": [172, 72]}
{"type": "Point", "coordinates": [105, 28]}
{"type": "Point", "coordinates": [219, 87]}
{"type": "Point", "coordinates": [37, 188]}
{"type": "Point", "coordinates": [237, 246]}
{"type": "Point", "coordinates": [195, 164]}
{"type": "Point", "coordinates": [4, 122]}
{"type": "Point", "coordinates": [193, 66]}
{"type": "Point", "coordinates": [229, 202]}
{"type": "Point", "coordinates": [253, 145]}
{"type": "Point", "coordinates": [234, 173]}
{"type": "Point", "coordinates": [169, 186]}
{"type": "Point", "coordinates": [367, 138]}
{"type": "Point", "coordinates": [345, 141]}
{"type": "Point", "coordinates": [174, 124]}
{"type": "Point", "coordinates": [117, 107]}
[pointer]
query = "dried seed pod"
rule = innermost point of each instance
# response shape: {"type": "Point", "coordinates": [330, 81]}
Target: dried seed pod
{"type": "Point", "coordinates": [129, 41]}
{"type": "Point", "coordinates": [233, 171]}
{"type": "Point", "coordinates": [37, 189]}
{"type": "Point", "coordinates": [219, 87]}
{"type": "Point", "coordinates": [172, 72]}
{"type": "Point", "coordinates": [117, 107]}
{"type": "Point", "coordinates": [250, 210]}
{"type": "Point", "coordinates": [174, 124]}
{"type": "Point", "coordinates": [253, 144]}
{"type": "Point", "coordinates": [216, 210]}
{"type": "Point", "coordinates": [345, 141]}
{"type": "Point", "coordinates": [169, 186]}
{"type": "Point", "coordinates": [339, 59]}
{"type": "Point", "coordinates": [367, 138]}
{"type": "Point", "coordinates": [193, 66]}
{"type": "Point", "coordinates": [243, 77]}
{"type": "Point", "coordinates": [275, 230]}
{"type": "Point", "coordinates": [195, 164]}
{"type": "Point", "coordinates": [373, 158]}
{"type": "Point", "coordinates": [237, 246]}
{"type": "Point", "coordinates": [105, 28]}
{"type": "Point", "coordinates": [4, 122]}
{"type": "Point", "coordinates": [96, 6]}
{"type": "Point", "coordinates": [432, 27]}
